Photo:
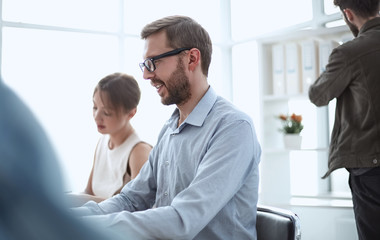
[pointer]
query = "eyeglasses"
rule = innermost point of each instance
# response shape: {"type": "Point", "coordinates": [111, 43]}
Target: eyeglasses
{"type": "Point", "coordinates": [149, 62]}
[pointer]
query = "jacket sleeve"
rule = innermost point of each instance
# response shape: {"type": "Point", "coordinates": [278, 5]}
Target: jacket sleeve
{"type": "Point", "coordinates": [333, 81]}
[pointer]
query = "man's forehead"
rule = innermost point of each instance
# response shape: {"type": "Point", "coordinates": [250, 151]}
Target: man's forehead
{"type": "Point", "coordinates": [155, 44]}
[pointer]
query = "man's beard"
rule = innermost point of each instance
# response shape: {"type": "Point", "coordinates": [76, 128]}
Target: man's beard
{"type": "Point", "coordinates": [353, 28]}
{"type": "Point", "coordinates": [178, 87]}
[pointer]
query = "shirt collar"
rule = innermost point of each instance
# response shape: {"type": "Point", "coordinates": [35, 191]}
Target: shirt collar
{"type": "Point", "coordinates": [199, 113]}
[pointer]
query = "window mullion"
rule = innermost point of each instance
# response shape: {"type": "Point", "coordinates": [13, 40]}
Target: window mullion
{"type": "Point", "coordinates": [318, 13]}
{"type": "Point", "coordinates": [226, 48]}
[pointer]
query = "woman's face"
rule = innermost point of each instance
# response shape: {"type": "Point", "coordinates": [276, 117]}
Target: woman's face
{"type": "Point", "coordinates": [107, 119]}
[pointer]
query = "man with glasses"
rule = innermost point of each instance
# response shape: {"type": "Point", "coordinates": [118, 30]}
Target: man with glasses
{"type": "Point", "coordinates": [352, 76]}
{"type": "Point", "coordinates": [201, 179]}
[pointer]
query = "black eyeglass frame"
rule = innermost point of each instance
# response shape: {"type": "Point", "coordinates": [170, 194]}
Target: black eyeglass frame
{"type": "Point", "coordinates": [167, 54]}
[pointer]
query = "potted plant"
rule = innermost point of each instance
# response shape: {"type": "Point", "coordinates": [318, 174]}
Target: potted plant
{"type": "Point", "coordinates": [291, 127]}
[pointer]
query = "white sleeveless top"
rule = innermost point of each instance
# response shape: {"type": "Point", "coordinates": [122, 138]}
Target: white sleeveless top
{"type": "Point", "coordinates": [110, 166]}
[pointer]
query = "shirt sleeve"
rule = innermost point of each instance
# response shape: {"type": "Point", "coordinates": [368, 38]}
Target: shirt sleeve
{"type": "Point", "coordinates": [232, 155]}
{"type": "Point", "coordinates": [333, 81]}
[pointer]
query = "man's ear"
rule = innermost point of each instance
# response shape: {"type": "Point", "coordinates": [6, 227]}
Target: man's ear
{"type": "Point", "coordinates": [194, 58]}
{"type": "Point", "coordinates": [349, 14]}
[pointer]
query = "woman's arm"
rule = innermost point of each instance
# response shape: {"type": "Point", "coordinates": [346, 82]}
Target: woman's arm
{"type": "Point", "coordinates": [139, 155]}
{"type": "Point", "coordinates": [88, 189]}
{"type": "Point", "coordinates": [78, 199]}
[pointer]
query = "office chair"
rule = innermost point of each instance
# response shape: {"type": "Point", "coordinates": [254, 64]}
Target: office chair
{"type": "Point", "coordinates": [277, 224]}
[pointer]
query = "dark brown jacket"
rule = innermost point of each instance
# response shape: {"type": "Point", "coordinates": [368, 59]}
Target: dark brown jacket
{"type": "Point", "coordinates": [352, 76]}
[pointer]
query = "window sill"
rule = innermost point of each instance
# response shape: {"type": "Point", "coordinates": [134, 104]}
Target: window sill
{"type": "Point", "coordinates": [332, 200]}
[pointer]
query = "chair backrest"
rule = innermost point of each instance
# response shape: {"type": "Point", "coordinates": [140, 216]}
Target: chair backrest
{"type": "Point", "coordinates": [277, 224]}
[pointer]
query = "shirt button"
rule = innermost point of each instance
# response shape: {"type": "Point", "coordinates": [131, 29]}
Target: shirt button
{"type": "Point", "coordinates": [165, 193]}
{"type": "Point", "coordinates": [374, 161]}
{"type": "Point", "coordinates": [166, 163]}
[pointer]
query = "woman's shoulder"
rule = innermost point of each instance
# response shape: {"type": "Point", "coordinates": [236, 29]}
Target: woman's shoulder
{"type": "Point", "coordinates": [142, 146]}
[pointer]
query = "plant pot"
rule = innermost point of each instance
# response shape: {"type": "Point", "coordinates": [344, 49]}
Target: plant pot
{"type": "Point", "coordinates": [292, 141]}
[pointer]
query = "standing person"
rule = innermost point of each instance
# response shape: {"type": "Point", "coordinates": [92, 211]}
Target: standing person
{"type": "Point", "coordinates": [120, 153]}
{"type": "Point", "coordinates": [352, 76]}
{"type": "Point", "coordinates": [202, 176]}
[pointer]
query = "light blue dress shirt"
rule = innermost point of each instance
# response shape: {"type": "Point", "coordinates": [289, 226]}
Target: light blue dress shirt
{"type": "Point", "coordinates": [202, 177]}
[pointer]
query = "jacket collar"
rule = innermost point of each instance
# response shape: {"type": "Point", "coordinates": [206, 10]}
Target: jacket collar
{"type": "Point", "coordinates": [375, 22]}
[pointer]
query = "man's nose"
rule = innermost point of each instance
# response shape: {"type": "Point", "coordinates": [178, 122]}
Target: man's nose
{"type": "Point", "coordinates": [147, 75]}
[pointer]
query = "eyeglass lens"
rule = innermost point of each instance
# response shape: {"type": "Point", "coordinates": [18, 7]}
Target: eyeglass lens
{"type": "Point", "coordinates": [149, 62]}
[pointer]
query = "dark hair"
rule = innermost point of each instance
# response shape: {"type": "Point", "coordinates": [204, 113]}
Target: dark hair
{"type": "Point", "coordinates": [121, 89]}
{"type": "Point", "coordinates": [363, 8]}
{"type": "Point", "coordinates": [182, 31]}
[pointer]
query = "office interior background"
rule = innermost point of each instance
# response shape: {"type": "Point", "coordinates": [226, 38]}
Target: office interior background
{"type": "Point", "coordinates": [54, 52]}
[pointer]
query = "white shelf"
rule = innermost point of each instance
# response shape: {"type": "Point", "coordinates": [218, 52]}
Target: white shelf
{"type": "Point", "coordinates": [278, 98]}
{"type": "Point", "coordinates": [306, 33]}
{"type": "Point", "coordinates": [285, 150]}
{"type": "Point", "coordinates": [316, 123]}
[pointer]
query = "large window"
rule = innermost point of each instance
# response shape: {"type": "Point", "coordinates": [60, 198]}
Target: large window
{"type": "Point", "coordinates": [55, 73]}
